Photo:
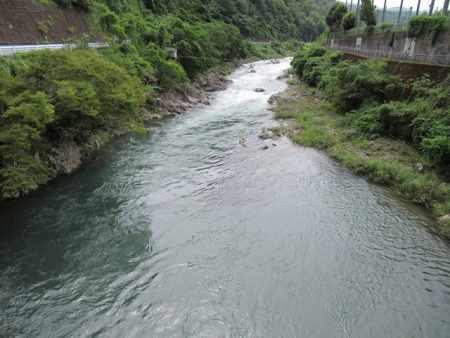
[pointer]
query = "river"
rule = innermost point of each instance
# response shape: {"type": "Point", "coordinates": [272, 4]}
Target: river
{"type": "Point", "coordinates": [186, 233]}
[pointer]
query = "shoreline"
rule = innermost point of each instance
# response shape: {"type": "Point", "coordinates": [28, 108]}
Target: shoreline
{"type": "Point", "coordinates": [308, 120]}
{"type": "Point", "coordinates": [66, 158]}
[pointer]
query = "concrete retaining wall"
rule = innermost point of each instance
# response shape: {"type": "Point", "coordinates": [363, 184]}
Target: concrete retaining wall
{"type": "Point", "coordinates": [395, 45]}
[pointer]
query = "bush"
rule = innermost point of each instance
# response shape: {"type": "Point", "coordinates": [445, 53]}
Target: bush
{"type": "Point", "coordinates": [387, 27]}
{"type": "Point", "coordinates": [428, 26]}
{"type": "Point", "coordinates": [350, 85]}
{"type": "Point", "coordinates": [300, 60]}
{"type": "Point", "coordinates": [47, 97]}
{"type": "Point", "coordinates": [335, 16]}
{"type": "Point", "coordinates": [349, 21]}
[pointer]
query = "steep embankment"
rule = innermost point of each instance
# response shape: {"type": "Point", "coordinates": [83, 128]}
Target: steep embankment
{"type": "Point", "coordinates": [25, 21]}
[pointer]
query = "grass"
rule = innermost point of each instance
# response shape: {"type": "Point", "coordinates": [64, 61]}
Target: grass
{"type": "Point", "coordinates": [384, 161]}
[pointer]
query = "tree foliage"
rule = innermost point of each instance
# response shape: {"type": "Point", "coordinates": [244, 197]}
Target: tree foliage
{"type": "Point", "coordinates": [335, 16]}
{"type": "Point", "coordinates": [368, 13]}
{"type": "Point", "coordinates": [349, 21]}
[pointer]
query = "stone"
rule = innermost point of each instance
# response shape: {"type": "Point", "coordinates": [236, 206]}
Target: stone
{"type": "Point", "coordinates": [260, 90]}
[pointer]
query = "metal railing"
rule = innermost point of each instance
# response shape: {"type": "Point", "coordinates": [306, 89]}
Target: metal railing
{"type": "Point", "coordinates": [11, 50]}
{"type": "Point", "coordinates": [437, 59]}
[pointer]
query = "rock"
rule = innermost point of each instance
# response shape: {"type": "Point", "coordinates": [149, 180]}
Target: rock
{"type": "Point", "coordinates": [253, 71]}
{"type": "Point", "coordinates": [274, 144]}
{"type": "Point", "coordinates": [273, 99]}
{"type": "Point", "coordinates": [275, 62]}
{"type": "Point", "coordinates": [266, 134]}
{"type": "Point", "coordinates": [67, 156]}
{"type": "Point", "coordinates": [260, 90]}
{"type": "Point", "coordinates": [283, 76]}
{"type": "Point", "coordinates": [243, 142]}
{"type": "Point", "coordinates": [264, 147]}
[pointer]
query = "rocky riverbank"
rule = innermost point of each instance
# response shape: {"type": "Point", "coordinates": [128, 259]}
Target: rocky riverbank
{"type": "Point", "coordinates": [67, 157]}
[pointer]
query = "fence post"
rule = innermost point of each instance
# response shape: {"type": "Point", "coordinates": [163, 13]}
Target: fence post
{"type": "Point", "coordinates": [445, 9]}
{"type": "Point", "coordinates": [384, 12]}
{"type": "Point", "coordinates": [400, 13]}
{"type": "Point", "coordinates": [431, 8]}
{"type": "Point", "coordinates": [418, 8]}
{"type": "Point", "coordinates": [357, 14]}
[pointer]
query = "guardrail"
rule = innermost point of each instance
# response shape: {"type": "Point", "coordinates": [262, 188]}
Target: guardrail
{"type": "Point", "coordinates": [11, 50]}
{"type": "Point", "coordinates": [437, 59]}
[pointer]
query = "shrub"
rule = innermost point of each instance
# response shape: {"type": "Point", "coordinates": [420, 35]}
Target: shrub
{"type": "Point", "coordinates": [350, 85]}
{"type": "Point", "coordinates": [335, 16]}
{"type": "Point", "coordinates": [387, 27]}
{"type": "Point", "coordinates": [349, 21]}
{"type": "Point", "coordinates": [428, 26]}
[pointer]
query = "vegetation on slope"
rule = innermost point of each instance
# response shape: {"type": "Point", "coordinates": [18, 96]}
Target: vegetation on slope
{"type": "Point", "coordinates": [271, 19]}
{"type": "Point", "coordinates": [54, 103]}
{"type": "Point", "coordinates": [396, 132]}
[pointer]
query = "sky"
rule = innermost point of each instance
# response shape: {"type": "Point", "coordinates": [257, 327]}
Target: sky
{"type": "Point", "coordinates": [406, 4]}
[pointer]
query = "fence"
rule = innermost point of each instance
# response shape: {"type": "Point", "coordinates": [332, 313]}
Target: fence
{"type": "Point", "coordinates": [11, 50]}
{"type": "Point", "coordinates": [364, 30]}
{"type": "Point", "coordinates": [438, 59]}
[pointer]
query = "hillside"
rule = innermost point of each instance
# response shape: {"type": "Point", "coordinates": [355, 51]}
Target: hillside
{"type": "Point", "coordinates": [56, 108]}
{"type": "Point", "coordinates": [23, 21]}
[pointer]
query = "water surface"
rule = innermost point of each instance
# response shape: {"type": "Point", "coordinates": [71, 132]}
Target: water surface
{"type": "Point", "coordinates": [185, 233]}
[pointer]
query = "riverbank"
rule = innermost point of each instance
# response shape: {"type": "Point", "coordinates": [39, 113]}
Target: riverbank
{"type": "Point", "coordinates": [383, 160]}
{"type": "Point", "coordinates": [63, 150]}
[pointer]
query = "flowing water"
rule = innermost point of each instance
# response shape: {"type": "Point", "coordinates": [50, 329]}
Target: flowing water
{"type": "Point", "coordinates": [186, 233]}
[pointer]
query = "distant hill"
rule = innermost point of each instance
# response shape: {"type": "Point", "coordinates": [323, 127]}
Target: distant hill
{"type": "Point", "coordinates": [392, 14]}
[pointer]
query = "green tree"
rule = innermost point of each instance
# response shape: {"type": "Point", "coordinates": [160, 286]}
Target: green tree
{"type": "Point", "coordinates": [335, 16]}
{"type": "Point", "coordinates": [349, 21]}
{"type": "Point", "coordinates": [368, 13]}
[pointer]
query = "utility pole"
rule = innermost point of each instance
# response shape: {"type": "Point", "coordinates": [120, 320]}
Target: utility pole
{"type": "Point", "coordinates": [431, 8]}
{"type": "Point", "coordinates": [400, 13]}
{"type": "Point", "coordinates": [445, 9]}
{"type": "Point", "coordinates": [383, 17]}
{"type": "Point", "coordinates": [418, 8]}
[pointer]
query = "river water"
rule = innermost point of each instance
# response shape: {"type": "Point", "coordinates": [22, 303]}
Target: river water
{"type": "Point", "coordinates": [186, 233]}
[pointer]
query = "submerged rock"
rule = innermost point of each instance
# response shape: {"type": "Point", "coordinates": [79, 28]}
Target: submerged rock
{"type": "Point", "coordinates": [264, 147]}
{"type": "Point", "coordinates": [243, 142]}
{"type": "Point", "coordinates": [266, 134]}
{"type": "Point", "coordinates": [253, 71]}
{"type": "Point", "coordinates": [260, 90]}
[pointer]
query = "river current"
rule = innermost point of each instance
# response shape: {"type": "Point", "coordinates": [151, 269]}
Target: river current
{"type": "Point", "coordinates": [187, 233]}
